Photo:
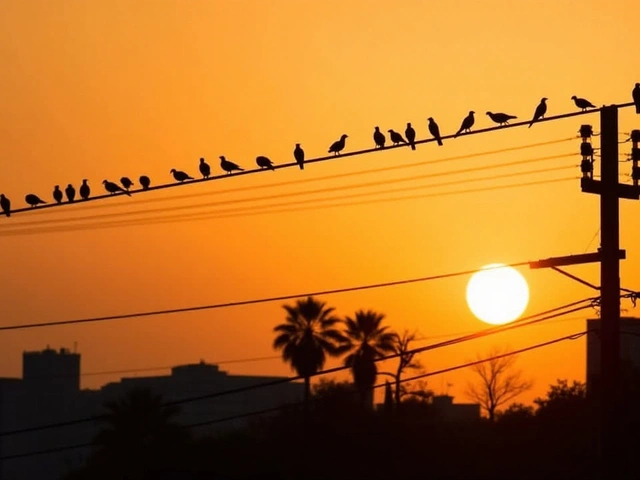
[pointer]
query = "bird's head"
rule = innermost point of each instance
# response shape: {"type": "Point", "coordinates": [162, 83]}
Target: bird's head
{"type": "Point", "coordinates": [408, 124]}
{"type": "Point", "coordinates": [297, 144]}
{"type": "Point", "coordinates": [471, 112]}
{"type": "Point", "coordinates": [104, 182]}
{"type": "Point", "coordinates": [56, 187]}
{"type": "Point", "coordinates": [69, 186]}
{"type": "Point", "coordinates": [377, 129]}
{"type": "Point", "coordinates": [222, 158]}
{"type": "Point", "coordinates": [430, 119]}
{"type": "Point", "coordinates": [390, 130]}
{"type": "Point", "coordinates": [637, 85]}
{"type": "Point", "coordinates": [173, 170]}
{"type": "Point", "coordinates": [201, 160]}
{"type": "Point", "coordinates": [344, 135]}
{"type": "Point", "coordinates": [488, 113]}
{"type": "Point", "coordinates": [84, 180]}
{"type": "Point", "coordinates": [574, 98]}
{"type": "Point", "coordinates": [544, 99]}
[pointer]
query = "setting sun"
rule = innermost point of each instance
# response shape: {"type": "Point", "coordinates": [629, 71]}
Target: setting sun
{"type": "Point", "coordinates": [497, 295]}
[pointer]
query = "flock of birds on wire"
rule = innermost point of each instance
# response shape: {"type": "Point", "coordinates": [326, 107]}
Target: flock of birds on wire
{"type": "Point", "coordinates": [298, 153]}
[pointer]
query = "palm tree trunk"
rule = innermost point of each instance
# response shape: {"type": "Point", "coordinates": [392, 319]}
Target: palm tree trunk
{"type": "Point", "coordinates": [307, 392]}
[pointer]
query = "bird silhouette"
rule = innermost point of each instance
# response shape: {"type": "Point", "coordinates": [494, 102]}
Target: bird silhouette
{"type": "Point", "coordinates": [410, 133]}
{"type": "Point", "coordinates": [635, 94]}
{"type": "Point", "coordinates": [467, 123]}
{"type": "Point", "coordinates": [395, 137]}
{"type": "Point", "coordinates": [145, 182]}
{"type": "Point", "coordinates": [180, 176]}
{"type": "Point", "coordinates": [264, 162]}
{"type": "Point", "coordinates": [70, 192]}
{"type": "Point", "coordinates": [205, 168]}
{"type": "Point", "coordinates": [85, 190]}
{"type": "Point", "coordinates": [5, 204]}
{"type": "Point", "coordinates": [435, 130]}
{"type": "Point", "coordinates": [126, 183]}
{"type": "Point", "coordinates": [501, 118]}
{"type": "Point", "coordinates": [114, 188]}
{"type": "Point", "coordinates": [33, 199]}
{"type": "Point", "coordinates": [228, 166]}
{"type": "Point", "coordinates": [379, 138]}
{"type": "Point", "coordinates": [57, 194]}
{"type": "Point", "coordinates": [337, 146]}
{"type": "Point", "coordinates": [582, 103]}
{"type": "Point", "coordinates": [298, 154]}
{"type": "Point", "coordinates": [541, 109]}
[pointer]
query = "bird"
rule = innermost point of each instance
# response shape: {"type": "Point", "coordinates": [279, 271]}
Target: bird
{"type": "Point", "coordinates": [57, 194]}
{"type": "Point", "coordinates": [5, 204]}
{"type": "Point", "coordinates": [501, 118]}
{"type": "Point", "coordinates": [85, 190]}
{"type": "Point", "coordinates": [228, 166]}
{"type": "Point", "coordinates": [396, 138]}
{"type": "Point", "coordinates": [264, 162]}
{"type": "Point", "coordinates": [33, 199]}
{"type": "Point", "coordinates": [126, 182]}
{"type": "Point", "coordinates": [582, 103]}
{"type": "Point", "coordinates": [145, 182]}
{"type": "Point", "coordinates": [410, 133]}
{"type": "Point", "coordinates": [298, 154]}
{"type": "Point", "coordinates": [635, 94]}
{"type": "Point", "coordinates": [337, 146]}
{"type": "Point", "coordinates": [205, 168]}
{"type": "Point", "coordinates": [467, 123]}
{"type": "Point", "coordinates": [541, 109]}
{"type": "Point", "coordinates": [70, 192]}
{"type": "Point", "coordinates": [435, 130]}
{"type": "Point", "coordinates": [180, 176]}
{"type": "Point", "coordinates": [379, 138]}
{"type": "Point", "coordinates": [113, 187]}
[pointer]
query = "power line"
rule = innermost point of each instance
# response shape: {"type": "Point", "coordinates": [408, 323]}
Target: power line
{"type": "Point", "coordinates": [574, 336]}
{"type": "Point", "coordinates": [333, 157]}
{"type": "Point", "coordinates": [531, 319]}
{"type": "Point", "coordinates": [252, 211]}
{"type": "Point", "coordinates": [18, 225]}
{"type": "Point", "coordinates": [244, 302]}
{"type": "Point", "coordinates": [83, 206]}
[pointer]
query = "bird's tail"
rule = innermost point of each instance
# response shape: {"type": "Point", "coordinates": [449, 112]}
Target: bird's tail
{"type": "Point", "coordinates": [413, 146]}
{"type": "Point", "coordinates": [457, 133]}
{"type": "Point", "coordinates": [531, 123]}
{"type": "Point", "coordinates": [638, 108]}
{"type": "Point", "coordinates": [302, 166]}
{"type": "Point", "coordinates": [127, 193]}
{"type": "Point", "coordinates": [8, 214]}
{"type": "Point", "coordinates": [440, 141]}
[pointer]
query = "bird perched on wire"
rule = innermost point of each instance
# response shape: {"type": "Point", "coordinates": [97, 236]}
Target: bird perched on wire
{"type": "Point", "coordinates": [126, 182]}
{"type": "Point", "coordinates": [145, 182]}
{"type": "Point", "coordinates": [5, 204]}
{"type": "Point", "coordinates": [85, 190]}
{"type": "Point", "coordinates": [264, 162]}
{"type": "Point", "coordinates": [635, 94]}
{"type": "Point", "coordinates": [379, 138]}
{"type": "Point", "coordinates": [205, 169]}
{"type": "Point", "coordinates": [337, 146]}
{"type": "Point", "coordinates": [298, 154]}
{"type": "Point", "coordinates": [70, 192]}
{"type": "Point", "coordinates": [395, 137]}
{"type": "Point", "coordinates": [541, 109]}
{"type": "Point", "coordinates": [582, 103]}
{"type": "Point", "coordinates": [410, 133]}
{"type": "Point", "coordinates": [501, 118]}
{"type": "Point", "coordinates": [57, 194]}
{"type": "Point", "coordinates": [228, 166]}
{"type": "Point", "coordinates": [180, 176]}
{"type": "Point", "coordinates": [467, 123]}
{"type": "Point", "coordinates": [435, 130]}
{"type": "Point", "coordinates": [33, 199]}
{"type": "Point", "coordinates": [114, 188]}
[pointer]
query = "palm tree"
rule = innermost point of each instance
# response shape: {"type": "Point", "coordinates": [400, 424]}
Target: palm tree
{"type": "Point", "coordinates": [306, 337]}
{"type": "Point", "coordinates": [366, 341]}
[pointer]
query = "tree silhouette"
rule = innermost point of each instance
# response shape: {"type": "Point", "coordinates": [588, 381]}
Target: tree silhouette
{"type": "Point", "coordinates": [306, 337]}
{"type": "Point", "coordinates": [498, 382]}
{"type": "Point", "coordinates": [366, 340]}
{"type": "Point", "coordinates": [406, 361]}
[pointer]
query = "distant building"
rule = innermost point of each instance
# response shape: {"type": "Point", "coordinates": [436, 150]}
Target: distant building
{"type": "Point", "coordinates": [629, 347]}
{"type": "Point", "coordinates": [448, 411]}
{"type": "Point", "coordinates": [49, 392]}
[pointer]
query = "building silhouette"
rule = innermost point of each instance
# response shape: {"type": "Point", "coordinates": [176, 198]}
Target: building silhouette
{"type": "Point", "coordinates": [49, 392]}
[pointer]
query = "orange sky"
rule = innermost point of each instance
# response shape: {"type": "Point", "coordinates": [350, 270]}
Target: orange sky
{"type": "Point", "coordinates": [101, 89]}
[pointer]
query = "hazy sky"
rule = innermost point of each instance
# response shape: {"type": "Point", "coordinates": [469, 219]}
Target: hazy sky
{"type": "Point", "coordinates": [99, 89]}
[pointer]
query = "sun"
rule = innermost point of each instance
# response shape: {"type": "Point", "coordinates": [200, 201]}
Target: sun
{"type": "Point", "coordinates": [497, 294]}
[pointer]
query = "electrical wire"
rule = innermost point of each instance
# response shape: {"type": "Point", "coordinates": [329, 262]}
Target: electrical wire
{"type": "Point", "coordinates": [574, 336]}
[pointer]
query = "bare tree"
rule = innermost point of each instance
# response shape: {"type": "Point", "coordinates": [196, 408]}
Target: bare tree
{"type": "Point", "coordinates": [402, 347]}
{"type": "Point", "coordinates": [498, 381]}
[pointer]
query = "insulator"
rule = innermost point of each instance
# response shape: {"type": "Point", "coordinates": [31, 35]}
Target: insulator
{"type": "Point", "coordinates": [586, 166]}
{"type": "Point", "coordinates": [586, 131]}
{"type": "Point", "coordinates": [635, 173]}
{"type": "Point", "coordinates": [635, 154]}
{"type": "Point", "coordinates": [586, 150]}
{"type": "Point", "coordinates": [635, 136]}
